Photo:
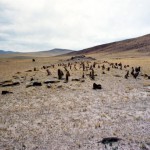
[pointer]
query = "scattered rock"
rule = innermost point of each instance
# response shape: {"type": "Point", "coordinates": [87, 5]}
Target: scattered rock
{"type": "Point", "coordinates": [34, 83]}
{"type": "Point", "coordinates": [80, 57]}
{"type": "Point", "coordinates": [29, 85]}
{"type": "Point", "coordinates": [117, 75]}
{"type": "Point", "coordinates": [6, 81]}
{"type": "Point", "coordinates": [28, 71]}
{"type": "Point", "coordinates": [60, 86]}
{"type": "Point", "coordinates": [48, 85]}
{"type": "Point", "coordinates": [37, 83]}
{"type": "Point", "coordinates": [96, 86]}
{"type": "Point", "coordinates": [6, 92]}
{"type": "Point", "coordinates": [82, 80]}
{"type": "Point", "coordinates": [60, 74]}
{"type": "Point", "coordinates": [51, 81]}
{"type": "Point", "coordinates": [75, 79]}
{"type": "Point", "coordinates": [18, 72]}
{"type": "Point", "coordinates": [109, 140]}
{"type": "Point", "coordinates": [15, 77]}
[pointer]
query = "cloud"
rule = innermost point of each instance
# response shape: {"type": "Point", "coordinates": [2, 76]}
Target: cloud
{"type": "Point", "coordinates": [35, 25]}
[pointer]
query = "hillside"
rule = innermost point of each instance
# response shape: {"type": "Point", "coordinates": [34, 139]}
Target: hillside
{"type": "Point", "coordinates": [140, 45]}
{"type": "Point", "coordinates": [6, 52]}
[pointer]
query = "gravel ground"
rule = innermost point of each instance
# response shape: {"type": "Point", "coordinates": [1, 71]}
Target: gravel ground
{"type": "Point", "coordinates": [70, 116]}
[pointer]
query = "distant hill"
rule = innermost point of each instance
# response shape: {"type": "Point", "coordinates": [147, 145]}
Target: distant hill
{"type": "Point", "coordinates": [140, 45]}
{"type": "Point", "coordinates": [47, 53]}
{"type": "Point", "coordinates": [6, 52]}
{"type": "Point", "coordinates": [57, 51]}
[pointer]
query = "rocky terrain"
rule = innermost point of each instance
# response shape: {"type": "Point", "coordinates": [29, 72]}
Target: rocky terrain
{"type": "Point", "coordinates": [42, 112]}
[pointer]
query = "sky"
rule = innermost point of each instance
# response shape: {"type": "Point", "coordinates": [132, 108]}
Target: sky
{"type": "Point", "coordinates": [38, 25]}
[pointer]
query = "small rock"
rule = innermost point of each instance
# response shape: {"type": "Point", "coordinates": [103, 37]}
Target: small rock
{"type": "Point", "coordinates": [96, 86]}
{"type": "Point", "coordinates": [18, 72]}
{"type": "Point", "coordinates": [82, 80]}
{"type": "Point", "coordinates": [34, 83]}
{"type": "Point", "coordinates": [75, 79]}
{"type": "Point", "coordinates": [51, 81]}
{"type": "Point", "coordinates": [29, 85]}
{"type": "Point", "coordinates": [28, 71]}
{"type": "Point", "coordinates": [109, 140]}
{"type": "Point", "coordinates": [6, 92]}
{"type": "Point", "coordinates": [48, 85]}
{"type": "Point", "coordinates": [117, 75]}
{"type": "Point", "coordinates": [11, 84]}
{"type": "Point", "coordinates": [37, 83]}
{"type": "Point", "coordinates": [60, 86]}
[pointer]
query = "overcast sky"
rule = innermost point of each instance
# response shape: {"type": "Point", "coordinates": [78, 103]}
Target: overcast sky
{"type": "Point", "coordinates": [36, 25]}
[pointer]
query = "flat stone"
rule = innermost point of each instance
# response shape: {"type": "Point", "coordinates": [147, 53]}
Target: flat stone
{"type": "Point", "coordinates": [11, 84]}
{"type": "Point", "coordinates": [51, 81]}
{"type": "Point", "coordinates": [75, 79]}
{"type": "Point", "coordinates": [6, 92]}
{"type": "Point", "coordinates": [109, 140]}
{"type": "Point", "coordinates": [37, 83]}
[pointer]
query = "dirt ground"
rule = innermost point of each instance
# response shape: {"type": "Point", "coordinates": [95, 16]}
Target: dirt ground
{"type": "Point", "coordinates": [70, 116]}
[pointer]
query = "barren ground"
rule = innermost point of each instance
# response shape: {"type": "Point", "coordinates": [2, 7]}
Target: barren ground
{"type": "Point", "coordinates": [70, 116]}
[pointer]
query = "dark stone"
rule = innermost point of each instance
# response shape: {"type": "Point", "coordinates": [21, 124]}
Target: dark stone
{"type": "Point", "coordinates": [37, 83]}
{"type": "Point", "coordinates": [31, 79]}
{"type": "Point", "coordinates": [18, 72]}
{"type": "Point", "coordinates": [109, 140]}
{"type": "Point", "coordinates": [127, 75]}
{"type": "Point", "coordinates": [48, 72]}
{"type": "Point", "coordinates": [60, 74]}
{"type": "Point", "coordinates": [135, 75]}
{"type": "Point", "coordinates": [6, 81]}
{"type": "Point", "coordinates": [15, 77]}
{"type": "Point", "coordinates": [51, 81]}
{"type": "Point", "coordinates": [6, 92]}
{"type": "Point", "coordinates": [75, 79]}
{"type": "Point", "coordinates": [96, 86]}
{"type": "Point", "coordinates": [82, 80]}
{"type": "Point", "coordinates": [28, 71]}
{"type": "Point", "coordinates": [67, 76]}
{"type": "Point", "coordinates": [60, 86]}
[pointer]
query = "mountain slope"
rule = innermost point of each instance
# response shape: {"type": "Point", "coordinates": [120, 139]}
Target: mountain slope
{"type": "Point", "coordinates": [140, 44]}
{"type": "Point", "coordinates": [6, 52]}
